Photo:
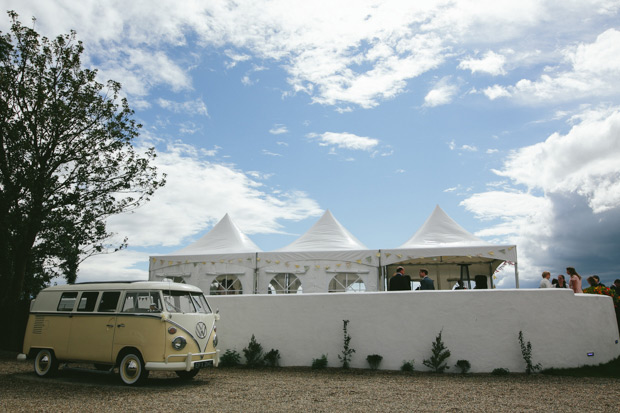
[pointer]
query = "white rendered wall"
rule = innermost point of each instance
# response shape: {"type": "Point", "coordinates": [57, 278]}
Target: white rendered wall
{"type": "Point", "coordinates": [481, 326]}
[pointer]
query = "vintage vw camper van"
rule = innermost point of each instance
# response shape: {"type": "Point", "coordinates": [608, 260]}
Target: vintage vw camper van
{"type": "Point", "coordinates": [133, 326]}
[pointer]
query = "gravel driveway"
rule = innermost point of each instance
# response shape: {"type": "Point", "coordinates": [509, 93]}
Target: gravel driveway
{"type": "Point", "coordinates": [302, 390]}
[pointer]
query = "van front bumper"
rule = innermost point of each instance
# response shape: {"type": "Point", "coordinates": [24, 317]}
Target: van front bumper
{"type": "Point", "coordinates": [187, 365]}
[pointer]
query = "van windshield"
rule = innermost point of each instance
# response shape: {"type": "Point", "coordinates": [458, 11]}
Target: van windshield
{"type": "Point", "coordinates": [186, 302]}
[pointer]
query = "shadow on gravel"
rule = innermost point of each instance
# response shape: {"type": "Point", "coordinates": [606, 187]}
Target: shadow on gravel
{"type": "Point", "coordinates": [85, 377]}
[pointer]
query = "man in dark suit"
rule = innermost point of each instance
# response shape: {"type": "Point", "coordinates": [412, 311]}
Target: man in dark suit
{"type": "Point", "coordinates": [400, 281]}
{"type": "Point", "coordinates": [426, 283]}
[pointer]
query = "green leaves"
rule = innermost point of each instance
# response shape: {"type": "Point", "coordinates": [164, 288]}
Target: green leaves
{"type": "Point", "coordinates": [67, 160]}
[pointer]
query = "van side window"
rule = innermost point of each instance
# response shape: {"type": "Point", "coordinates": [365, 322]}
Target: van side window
{"type": "Point", "coordinates": [109, 300]}
{"type": "Point", "coordinates": [67, 301]}
{"type": "Point", "coordinates": [88, 301]}
{"type": "Point", "coordinates": [142, 302]}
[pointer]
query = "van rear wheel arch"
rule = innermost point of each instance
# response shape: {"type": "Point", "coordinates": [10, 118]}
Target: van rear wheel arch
{"type": "Point", "coordinates": [45, 363]}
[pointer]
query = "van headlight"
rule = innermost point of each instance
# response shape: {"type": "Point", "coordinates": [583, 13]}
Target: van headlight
{"type": "Point", "coordinates": [214, 340]}
{"type": "Point", "coordinates": [179, 343]}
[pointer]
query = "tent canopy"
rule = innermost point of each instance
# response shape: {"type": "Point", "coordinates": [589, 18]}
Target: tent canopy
{"type": "Point", "coordinates": [224, 238]}
{"type": "Point", "coordinates": [441, 240]}
{"type": "Point", "coordinates": [327, 234]}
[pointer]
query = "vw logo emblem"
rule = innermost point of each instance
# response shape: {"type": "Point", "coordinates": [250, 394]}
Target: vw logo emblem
{"type": "Point", "coordinates": [201, 330]}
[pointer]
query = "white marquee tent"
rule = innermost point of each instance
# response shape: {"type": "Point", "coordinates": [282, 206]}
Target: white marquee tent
{"type": "Point", "coordinates": [446, 249]}
{"type": "Point", "coordinates": [223, 261]}
{"type": "Point", "coordinates": [326, 258]}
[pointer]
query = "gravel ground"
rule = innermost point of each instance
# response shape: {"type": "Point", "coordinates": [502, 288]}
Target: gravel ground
{"type": "Point", "coordinates": [302, 390]}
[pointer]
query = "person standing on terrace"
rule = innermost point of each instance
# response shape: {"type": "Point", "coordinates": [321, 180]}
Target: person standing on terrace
{"type": "Point", "coordinates": [575, 280]}
{"type": "Point", "coordinates": [545, 283]}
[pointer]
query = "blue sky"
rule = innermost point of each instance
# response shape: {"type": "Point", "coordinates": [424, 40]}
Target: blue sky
{"type": "Point", "coordinates": [505, 113]}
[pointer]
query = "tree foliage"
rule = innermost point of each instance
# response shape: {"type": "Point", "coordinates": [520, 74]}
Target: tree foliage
{"type": "Point", "coordinates": [67, 160]}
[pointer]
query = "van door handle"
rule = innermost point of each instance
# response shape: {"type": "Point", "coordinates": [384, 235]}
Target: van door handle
{"type": "Point", "coordinates": [110, 325]}
{"type": "Point", "coordinates": [121, 325]}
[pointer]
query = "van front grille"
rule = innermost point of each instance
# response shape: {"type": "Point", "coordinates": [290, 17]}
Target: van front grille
{"type": "Point", "coordinates": [39, 322]}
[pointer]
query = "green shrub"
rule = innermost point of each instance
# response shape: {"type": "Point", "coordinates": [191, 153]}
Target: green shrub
{"type": "Point", "coordinates": [440, 354]}
{"type": "Point", "coordinates": [526, 352]}
{"type": "Point", "coordinates": [347, 351]}
{"type": "Point", "coordinates": [500, 372]}
{"type": "Point", "coordinates": [319, 363]}
{"type": "Point", "coordinates": [374, 360]}
{"type": "Point", "coordinates": [463, 365]}
{"type": "Point", "coordinates": [272, 358]}
{"type": "Point", "coordinates": [230, 358]}
{"type": "Point", "coordinates": [407, 366]}
{"type": "Point", "coordinates": [253, 353]}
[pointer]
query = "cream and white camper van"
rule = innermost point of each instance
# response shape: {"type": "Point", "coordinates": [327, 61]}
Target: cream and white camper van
{"type": "Point", "coordinates": [133, 326]}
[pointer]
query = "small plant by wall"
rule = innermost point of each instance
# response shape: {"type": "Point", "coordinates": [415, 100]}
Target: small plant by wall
{"type": "Point", "coordinates": [407, 366]}
{"type": "Point", "coordinates": [463, 365]}
{"type": "Point", "coordinates": [272, 358]}
{"type": "Point", "coordinates": [500, 371]}
{"type": "Point", "coordinates": [319, 363]}
{"type": "Point", "coordinates": [347, 350]}
{"type": "Point", "coordinates": [374, 360]}
{"type": "Point", "coordinates": [526, 352]}
{"type": "Point", "coordinates": [230, 358]}
{"type": "Point", "coordinates": [253, 353]}
{"type": "Point", "coordinates": [440, 354]}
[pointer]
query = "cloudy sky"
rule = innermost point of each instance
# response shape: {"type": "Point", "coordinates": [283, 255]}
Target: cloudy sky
{"type": "Point", "coordinates": [505, 113]}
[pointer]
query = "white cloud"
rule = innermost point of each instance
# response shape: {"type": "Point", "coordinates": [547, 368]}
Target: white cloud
{"type": "Point", "coordinates": [193, 107]}
{"type": "Point", "coordinates": [345, 140]}
{"type": "Point", "coordinates": [569, 209]}
{"type": "Point", "coordinates": [235, 58]}
{"type": "Point", "coordinates": [496, 91]}
{"type": "Point", "coordinates": [584, 161]}
{"type": "Point", "coordinates": [119, 266]}
{"type": "Point", "coordinates": [269, 153]}
{"type": "Point", "coordinates": [199, 193]}
{"type": "Point", "coordinates": [467, 148]}
{"type": "Point", "coordinates": [594, 70]}
{"type": "Point", "coordinates": [358, 53]}
{"type": "Point", "coordinates": [442, 93]}
{"type": "Point", "coordinates": [278, 129]}
{"type": "Point", "coordinates": [491, 63]}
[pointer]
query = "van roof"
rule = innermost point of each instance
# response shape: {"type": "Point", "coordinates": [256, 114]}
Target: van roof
{"type": "Point", "coordinates": [124, 285]}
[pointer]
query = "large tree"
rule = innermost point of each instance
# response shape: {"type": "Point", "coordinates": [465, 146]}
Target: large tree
{"type": "Point", "coordinates": [67, 161]}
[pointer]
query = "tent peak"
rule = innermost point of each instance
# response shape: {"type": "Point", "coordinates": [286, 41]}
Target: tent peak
{"type": "Point", "coordinates": [326, 234]}
{"type": "Point", "coordinates": [439, 229]}
{"type": "Point", "coordinates": [224, 237]}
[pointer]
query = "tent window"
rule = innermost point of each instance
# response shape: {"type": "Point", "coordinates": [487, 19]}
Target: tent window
{"type": "Point", "coordinates": [346, 282]}
{"type": "Point", "coordinates": [177, 279]}
{"type": "Point", "coordinates": [226, 285]}
{"type": "Point", "coordinates": [284, 283]}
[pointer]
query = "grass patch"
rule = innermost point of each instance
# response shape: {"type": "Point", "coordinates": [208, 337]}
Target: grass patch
{"type": "Point", "coordinates": [610, 369]}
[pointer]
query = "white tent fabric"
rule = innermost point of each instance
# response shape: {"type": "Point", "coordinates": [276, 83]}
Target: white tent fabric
{"type": "Point", "coordinates": [327, 234]}
{"type": "Point", "coordinates": [224, 251]}
{"type": "Point", "coordinates": [441, 245]}
{"type": "Point", "coordinates": [326, 250]}
{"type": "Point", "coordinates": [441, 236]}
{"type": "Point", "coordinates": [224, 238]}
{"type": "Point", "coordinates": [441, 230]}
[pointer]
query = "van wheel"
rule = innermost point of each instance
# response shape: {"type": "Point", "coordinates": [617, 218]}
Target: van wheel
{"type": "Point", "coordinates": [132, 369]}
{"type": "Point", "coordinates": [45, 363]}
{"type": "Point", "coordinates": [187, 375]}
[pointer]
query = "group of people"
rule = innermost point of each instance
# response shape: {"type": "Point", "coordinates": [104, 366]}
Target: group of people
{"type": "Point", "coordinates": [402, 282]}
{"type": "Point", "coordinates": [574, 281]}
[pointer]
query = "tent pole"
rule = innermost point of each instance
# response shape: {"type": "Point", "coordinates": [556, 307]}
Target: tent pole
{"type": "Point", "coordinates": [255, 281]}
{"type": "Point", "coordinates": [516, 276]}
{"type": "Point", "coordinates": [380, 275]}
